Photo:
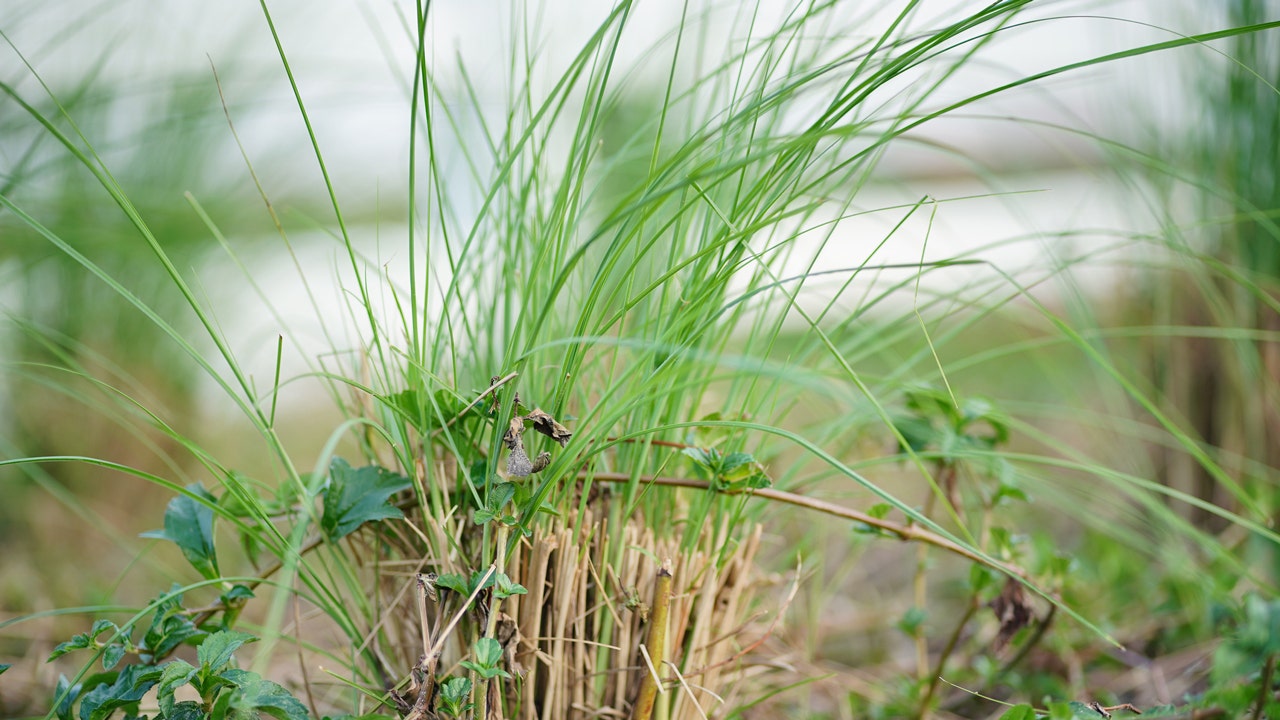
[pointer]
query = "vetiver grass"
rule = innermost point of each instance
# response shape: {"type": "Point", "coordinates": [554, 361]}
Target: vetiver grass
{"type": "Point", "coordinates": [647, 292]}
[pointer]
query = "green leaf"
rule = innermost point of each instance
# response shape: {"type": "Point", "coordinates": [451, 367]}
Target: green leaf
{"type": "Point", "coordinates": [255, 695]}
{"type": "Point", "coordinates": [499, 496]}
{"type": "Point", "coordinates": [1019, 712]}
{"type": "Point", "coordinates": [878, 511]}
{"type": "Point", "coordinates": [188, 523]}
{"type": "Point", "coordinates": [217, 650]}
{"type": "Point", "coordinates": [455, 689]}
{"type": "Point", "coordinates": [355, 497]}
{"type": "Point", "coordinates": [734, 461]}
{"type": "Point", "coordinates": [505, 587]}
{"type": "Point", "coordinates": [112, 655]}
{"type": "Point", "coordinates": [911, 620]}
{"type": "Point", "coordinates": [65, 694]}
{"type": "Point", "coordinates": [100, 626]}
{"type": "Point", "coordinates": [80, 641]}
{"type": "Point", "coordinates": [173, 675]}
{"type": "Point", "coordinates": [5, 666]}
{"type": "Point", "coordinates": [170, 627]}
{"type": "Point", "coordinates": [454, 582]}
{"type": "Point", "coordinates": [701, 458]}
{"type": "Point", "coordinates": [187, 710]}
{"type": "Point", "coordinates": [487, 651]}
{"type": "Point", "coordinates": [454, 696]}
{"type": "Point", "coordinates": [100, 702]}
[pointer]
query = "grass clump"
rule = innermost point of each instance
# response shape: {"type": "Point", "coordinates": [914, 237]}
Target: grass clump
{"type": "Point", "coordinates": [610, 348]}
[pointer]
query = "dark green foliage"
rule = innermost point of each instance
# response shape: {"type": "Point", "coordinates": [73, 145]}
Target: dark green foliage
{"type": "Point", "coordinates": [730, 472]}
{"type": "Point", "coordinates": [455, 694]}
{"type": "Point", "coordinates": [503, 586]}
{"type": "Point", "coordinates": [188, 523]}
{"type": "Point", "coordinates": [355, 497]}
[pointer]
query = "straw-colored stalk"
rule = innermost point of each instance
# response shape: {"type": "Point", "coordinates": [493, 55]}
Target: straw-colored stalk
{"type": "Point", "coordinates": [581, 625]}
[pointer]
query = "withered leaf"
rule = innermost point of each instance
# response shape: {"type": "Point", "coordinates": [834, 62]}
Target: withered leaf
{"type": "Point", "coordinates": [1012, 610]}
{"type": "Point", "coordinates": [547, 425]}
{"type": "Point", "coordinates": [518, 462]}
{"type": "Point", "coordinates": [514, 430]}
{"type": "Point", "coordinates": [541, 462]}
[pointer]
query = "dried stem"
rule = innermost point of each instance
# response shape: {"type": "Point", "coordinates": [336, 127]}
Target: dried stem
{"type": "Point", "coordinates": [1264, 689]}
{"type": "Point", "coordinates": [946, 653]}
{"type": "Point", "coordinates": [656, 645]}
{"type": "Point", "coordinates": [903, 532]}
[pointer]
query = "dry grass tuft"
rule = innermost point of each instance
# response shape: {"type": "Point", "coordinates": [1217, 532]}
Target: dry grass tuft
{"type": "Point", "coordinates": [573, 643]}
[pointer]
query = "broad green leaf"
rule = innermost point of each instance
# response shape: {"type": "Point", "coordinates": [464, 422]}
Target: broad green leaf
{"type": "Point", "coordinates": [500, 495]}
{"type": "Point", "coordinates": [700, 457]}
{"type": "Point", "coordinates": [487, 651]}
{"type": "Point", "coordinates": [100, 702]}
{"type": "Point", "coordinates": [188, 523]}
{"type": "Point", "coordinates": [734, 461]}
{"type": "Point", "coordinates": [217, 650]}
{"type": "Point", "coordinates": [174, 675]}
{"type": "Point", "coordinates": [253, 695]}
{"type": "Point", "coordinates": [355, 497]}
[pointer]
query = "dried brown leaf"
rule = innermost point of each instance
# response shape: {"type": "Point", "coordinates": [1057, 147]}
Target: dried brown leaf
{"type": "Point", "coordinates": [1012, 610]}
{"type": "Point", "coordinates": [547, 425]}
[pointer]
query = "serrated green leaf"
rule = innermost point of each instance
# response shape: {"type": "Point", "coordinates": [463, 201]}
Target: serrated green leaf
{"type": "Point", "coordinates": [79, 641]}
{"type": "Point", "coordinates": [170, 627]}
{"type": "Point", "coordinates": [112, 655]}
{"type": "Point", "coordinates": [355, 497]}
{"type": "Point", "coordinates": [100, 626]}
{"type": "Point", "coordinates": [217, 650]}
{"type": "Point", "coordinates": [735, 460]}
{"type": "Point", "coordinates": [254, 694]}
{"type": "Point", "coordinates": [701, 458]}
{"type": "Point", "coordinates": [187, 710]}
{"type": "Point", "coordinates": [505, 587]}
{"type": "Point", "coordinates": [500, 495]}
{"type": "Point", "coordinates": [125, 692]}
{"type": "Point", "coordinates": [173, 675]}
{"type": "Point", "coordinates": [188, 523]}
{"type": "Point", "coordinates": [454, 582]}
{"type": "Point", "coordinates": [455, 689]}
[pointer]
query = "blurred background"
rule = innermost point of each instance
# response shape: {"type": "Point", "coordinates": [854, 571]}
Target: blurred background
{"type": "Point", "coordinates": [1160, 225]}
